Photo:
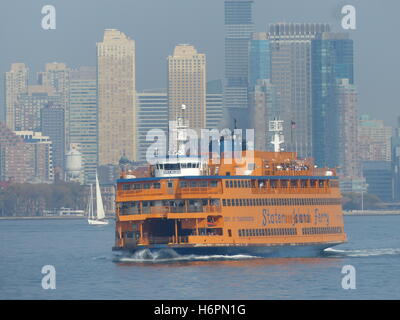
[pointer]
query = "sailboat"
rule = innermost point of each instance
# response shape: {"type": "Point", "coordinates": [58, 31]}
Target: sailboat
{"type": "Point", "coordinates": [97, 219]}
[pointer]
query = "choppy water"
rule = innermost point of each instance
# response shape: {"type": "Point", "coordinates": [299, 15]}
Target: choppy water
{"type": "Point", "coordinates": [86, 268]}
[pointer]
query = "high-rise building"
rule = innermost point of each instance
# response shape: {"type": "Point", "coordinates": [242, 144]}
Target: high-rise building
{"type": "Point", "coordinates": [378, 177]}
{"type": "Point", "coordinates": [214, 104]}
{"type": "Point", "coordinates": [83, 131]}
{"type": "Point", "coordinates": [57, 76]}
{"type": "Point", "coordinates": [331, 59]}
{"type": "Point", "coordinates": [349, 160]}
{"type": "Point", "coordinates": [259, 58]}
{"type": "Point", "coordinates": [52, 125]}
{"type": "Point", "coordinates": [290, 45]}
{"type": "Point", "coordinates": [29, 104]}
{"type": "Point", "coordinates": [152, 114]}
{"type": "Point", "coordinates": [262, 110]}
{"type": "Point", "coordinates": [374, 140]}
{"type": "Point", "coordinates": [239, 27]}
{"type": "Point", "coordinates": [14, 163]}
{"type": "Point", "coordinates": [39, 155]}
{"type": "Point", "coordinates": [116, 97]}
{"type": "Point", "coordinates": [187, 85]}
{"type": "Point", "coordinates": [16, 82]}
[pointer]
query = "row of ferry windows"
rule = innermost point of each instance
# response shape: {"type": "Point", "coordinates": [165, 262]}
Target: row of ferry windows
{"type": "Point", "coordinates": [303, 183]}
{"type": "Point", "coordinates": [322, 230]}
{"type": "Point", "coordinates": [182, 184]}
{"type": "Point", "coordinates": [278, 202]}
{"type": "Point", "coordinates": [267, 232]}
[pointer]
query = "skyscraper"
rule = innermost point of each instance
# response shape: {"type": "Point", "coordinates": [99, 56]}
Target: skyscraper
{"type": "Point", "coordinates": [238, 29]}
{"type": "Point", "coordinates": [16, 82]}
{"type": "Point", "coordinates": [291, 75]}
{"type": "Point", "coordinates": [116, 97]}
{"type": "Point", "coordinates": [152, 114]}
{"type": "Point", "coordinates": [187, 85]}
{"type": "Point", "coordinates": [262, 109]}
{"type": "Point", "coordinates": [331, 60]}
{"type": "Point", "coordinates": [349, 159]}
{"type": "Point", "coordinates": [52, 125]}
{"type": "Point", "coordinates": [83, 119]}
{"type": "Point", "coordinates": [214, 104]}
{"type": "Point", "coordinates": [259, 58]}
{"type": "Point", "coordinates": [56, 76]}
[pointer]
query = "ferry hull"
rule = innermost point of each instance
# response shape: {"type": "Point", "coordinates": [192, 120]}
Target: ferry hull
{"type": "Point", "coordinates": [272, 251]}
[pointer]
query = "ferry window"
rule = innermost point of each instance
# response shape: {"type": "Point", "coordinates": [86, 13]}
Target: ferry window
{"type": "Point", "coordinates": [226, 184]}
{"type": "Point", "coordinates": [224, 202]}
{"type": "Point", "coordinates": [156, 185]}
{"type": "Point", "coordinates": [235, 184]}
{"type": "Point", "coordinates": [237, 202]}
{"type": "Point", "coordinates": [171, 166]}
{"type": "Point", "coordinates": [303, 183]}
{"type": "Point", "coordinates": [203, 184]}
{"type": "Point", "coordinates": [273, 183]}
{"type": "Point", "coordinates": [241, 202]}
{"type": "Point", "coordinates": [229, 202]}
{"type": "Point", "coordinates": [137, 186]}
{"type": "Point", "coordinates": [146, 186]}
{"type": "Point", "coordinates": [213, 183]}
{"type": "Point", "coordinates": [126, 186]}
{"type": "Point", "coordinates": [230, 184]}
{"type": "Point", "coordinates": [293, 183]}
{"type": "Point", "coordinates": [193, 184]}
{"type": "Point", "coordinates": [251, 166]}
{"type": "Point", "coordinates": [183, 184]}
{"type": "Point", "coordinates": [284, 183]}
{"type": "Point", "coordinates": [312, 183]}
{"type": "Point", "coordinates": [321, 183]}
{"type": "Point", "coordinates": [169, 184]}
{"type": "Point", "coordinates": [229, 232]}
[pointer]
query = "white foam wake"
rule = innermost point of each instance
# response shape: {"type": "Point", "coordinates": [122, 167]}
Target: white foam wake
{"type": "Point", "coordinates": [169, 255]}
{"type": "Point", "coordinates": [364, 252]}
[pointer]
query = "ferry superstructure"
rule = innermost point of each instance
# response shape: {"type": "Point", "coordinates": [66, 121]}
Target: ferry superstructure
{"type": "Point", "coordinates": [277, 205]}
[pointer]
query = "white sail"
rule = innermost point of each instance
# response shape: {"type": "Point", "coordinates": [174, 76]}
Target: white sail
{"type": "Point", "coordinates": [99, 202]}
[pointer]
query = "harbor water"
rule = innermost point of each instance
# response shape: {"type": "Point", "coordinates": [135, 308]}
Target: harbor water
{"type": "Point", "coordinates": [86, 268]}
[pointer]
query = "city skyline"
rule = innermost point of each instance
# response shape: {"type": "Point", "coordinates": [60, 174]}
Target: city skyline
{"type": "Point", "coordinates": [151, 72]}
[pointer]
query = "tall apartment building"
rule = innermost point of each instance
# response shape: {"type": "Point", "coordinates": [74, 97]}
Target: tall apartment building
{"type": "Point", "coordinates": [290, 45]}
{"type": "Point", "coordinates": [16, 82]}
{"type": "Point", "coordinates": [116, 97]}
{"type": "Point", "coordinates": [187, 85]}
{"type": "Point", "coordinates": [39, 155]}
{"type": "Point", "coordinates": [239, 27]}
{"type": "Point", "coordinates": [28, 106]}
{"type": "Point", "coordinates": [25, 156]}
{"type": "Point", "coordinates": [83, 129]}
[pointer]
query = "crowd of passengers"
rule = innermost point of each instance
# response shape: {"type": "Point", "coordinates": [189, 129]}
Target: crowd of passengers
{"type": "Point", "coordinates": [291, 166]}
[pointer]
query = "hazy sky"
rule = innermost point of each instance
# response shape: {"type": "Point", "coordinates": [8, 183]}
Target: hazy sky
{"type": "Point", "coordinates": [158, 25]}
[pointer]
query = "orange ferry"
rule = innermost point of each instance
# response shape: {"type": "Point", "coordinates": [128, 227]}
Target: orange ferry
{"type": "Point", "coordinates": [277, 205]}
